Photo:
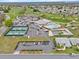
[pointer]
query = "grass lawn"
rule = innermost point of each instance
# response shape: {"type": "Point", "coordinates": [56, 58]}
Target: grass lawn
{"type": "Point", "coordinates": [28, 10]}
{"type": "Point", "coordinates": [8, 44]}
{"type": "Point", "coordinates": [75, 32]}
{"type": "Point", "coordinates": [55, 17]}
{"type": "Point", "coordinates": [15, 11]}
{"type": "Point", "coordinates": [67, 51]}
{"type": "Point", "coordinates": [32, 52]}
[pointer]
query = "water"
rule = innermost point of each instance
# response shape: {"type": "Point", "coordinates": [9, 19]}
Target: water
{"type": "Point", "coordinates": [52, 25]}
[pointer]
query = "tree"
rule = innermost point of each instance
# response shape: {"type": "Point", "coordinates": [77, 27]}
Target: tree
{"type": "Point", "coordinates": [36, 10]}
{"type": "Point", "coordinates": [8, 22]}
{"type": "Point", "coordinates": [60, 33]}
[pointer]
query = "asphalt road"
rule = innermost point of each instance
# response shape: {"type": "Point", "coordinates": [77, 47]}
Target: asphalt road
{"type": "Point", "coordinates": [38, 57]}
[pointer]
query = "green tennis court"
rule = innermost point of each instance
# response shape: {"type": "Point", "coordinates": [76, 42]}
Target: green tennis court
{"type": "Point", "coordinates": [17, 31]}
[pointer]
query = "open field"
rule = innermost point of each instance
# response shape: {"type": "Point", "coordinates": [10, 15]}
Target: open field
{"type": "Point", "coordinates": [8, 44]}
{"type": "Point", "coordinates": [75, 32]}
{"type": "Point", "coordinates": [15, 11]}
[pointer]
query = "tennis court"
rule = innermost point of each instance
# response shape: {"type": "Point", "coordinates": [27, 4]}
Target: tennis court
{"type": "Point", "coordinates": [17, 31]}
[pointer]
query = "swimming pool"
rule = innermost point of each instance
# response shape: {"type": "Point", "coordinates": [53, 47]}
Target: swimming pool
{"type": "Point", "coordinates": [52, 25]}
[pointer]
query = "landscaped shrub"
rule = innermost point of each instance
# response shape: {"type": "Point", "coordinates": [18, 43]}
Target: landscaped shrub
{"type": "Point", "coordinates": [59, 46]}
{"type": "Point", "coordinates": [8, 23]}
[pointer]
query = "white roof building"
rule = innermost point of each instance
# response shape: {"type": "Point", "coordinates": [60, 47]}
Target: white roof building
{"type": "Point", "coordinates": [43, 22]}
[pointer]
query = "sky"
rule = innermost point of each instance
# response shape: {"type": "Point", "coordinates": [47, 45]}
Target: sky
{"type": "Point", "coordinates": [36, 0]}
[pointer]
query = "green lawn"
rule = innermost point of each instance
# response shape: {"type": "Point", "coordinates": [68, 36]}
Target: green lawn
{"type": "Point", "coordinates": [16, 11]}
{"type": "Point", "coordinates": [32, 52]}
{"type": "Point", "coordinates": [75, 32]}
{"type": "Point", "coordinates": [8, 44]}
{"type": "Point", "coordinates": [67, 51]}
